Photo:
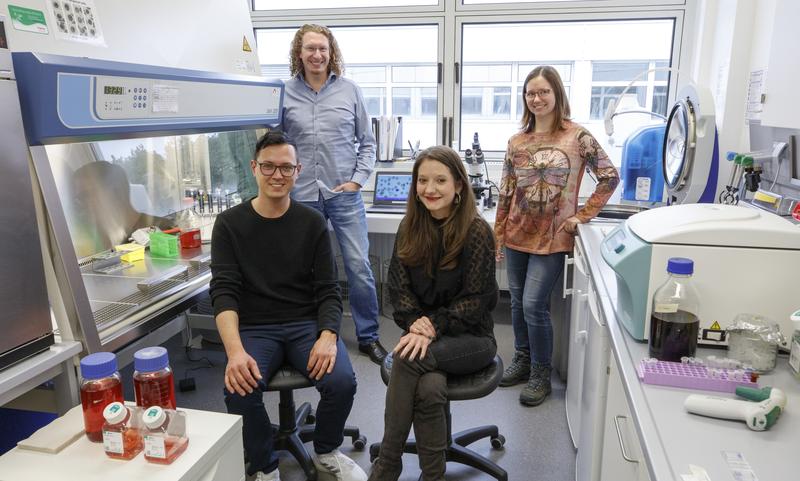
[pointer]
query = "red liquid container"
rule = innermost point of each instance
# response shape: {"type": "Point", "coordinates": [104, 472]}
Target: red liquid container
{"type": "Point", "coordinates": [153, 381]}
{"type": "Point", "coordinates": [122, 438]}
{"type": "Point", "coordinates": [101, 386]}
{"type": "Point", "coordinates": [165, 435]}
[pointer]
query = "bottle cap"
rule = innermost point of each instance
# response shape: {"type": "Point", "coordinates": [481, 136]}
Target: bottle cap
{"type": "Point", "coordinates": [150, 359]}
{"type": "Point", "coordinates": [680, 265]}
{"type": "Point", "coordinates": [115, 413]}
{"type": "Point", "coordinates": [98, 365]}
{"type": "Point", "coordinates": [154, 417]}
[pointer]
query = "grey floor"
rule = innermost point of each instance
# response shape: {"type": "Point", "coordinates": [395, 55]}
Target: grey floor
{"type": "Point", "coordinates": [538, 447]}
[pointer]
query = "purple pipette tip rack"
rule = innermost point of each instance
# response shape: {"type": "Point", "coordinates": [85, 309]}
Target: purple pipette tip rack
{"type": "Point", "coordinates": [688, 376]}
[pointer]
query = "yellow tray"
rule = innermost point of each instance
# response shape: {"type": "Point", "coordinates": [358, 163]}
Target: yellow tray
{"type": "Point", "coordinates": [134, 252]}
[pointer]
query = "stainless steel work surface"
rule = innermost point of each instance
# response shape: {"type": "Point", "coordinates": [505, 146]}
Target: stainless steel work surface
{"type": "Point", "coordinates": [671, 438]}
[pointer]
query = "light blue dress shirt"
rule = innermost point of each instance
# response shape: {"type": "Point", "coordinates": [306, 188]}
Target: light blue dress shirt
{"type": "Point", "coordinates": [333, 135]}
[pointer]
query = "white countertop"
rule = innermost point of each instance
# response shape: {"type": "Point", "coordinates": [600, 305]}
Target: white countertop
{"type": "Point", "coordinates": [671, 438]}
{"type": "Point", "coordinates": [214, 452]}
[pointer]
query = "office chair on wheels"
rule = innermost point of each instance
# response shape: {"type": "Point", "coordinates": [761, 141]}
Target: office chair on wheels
{"type": "Point", "coordinates": [460, 388]}
{"type": "Point", "coordinates": [296, 426]}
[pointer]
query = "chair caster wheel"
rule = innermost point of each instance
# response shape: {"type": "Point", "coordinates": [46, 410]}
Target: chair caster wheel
{"type": "Point", "coordinates": [498, 441]}
{"type": "Point", "coordinates": [311, 418]}
{"type": "Point", "coordinates": [360, 442]}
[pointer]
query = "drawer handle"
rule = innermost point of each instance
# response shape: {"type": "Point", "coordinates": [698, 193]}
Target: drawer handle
{"type": "Point", "coordinates": [621, 443]}
{"type": "Point", "coordinates": [567, 262]}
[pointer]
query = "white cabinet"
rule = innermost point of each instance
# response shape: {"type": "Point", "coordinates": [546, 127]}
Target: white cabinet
{"type": "Point", "coordinates": [593, 392]}
{"type": "Point", "coordinates": [579, 316]}
{"type": "Point", "coordinates": [622, 458]}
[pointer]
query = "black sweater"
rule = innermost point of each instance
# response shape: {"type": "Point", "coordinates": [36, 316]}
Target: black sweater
{"type": "Point", "coordinates": [458, 300]}
{"type": "Point", "coordinates": [272, 271]}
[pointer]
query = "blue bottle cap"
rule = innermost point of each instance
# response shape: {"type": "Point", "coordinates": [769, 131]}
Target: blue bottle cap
{"type": "Point", "coordinates": [150, 359]}
{"type": "Point", "coordinates": [98, 365]}
{"type": "Point", "coordinates": [680, 265]}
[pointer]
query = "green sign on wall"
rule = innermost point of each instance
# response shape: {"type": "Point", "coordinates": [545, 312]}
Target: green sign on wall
{"type": "Point", "coordinates": [27, 19]}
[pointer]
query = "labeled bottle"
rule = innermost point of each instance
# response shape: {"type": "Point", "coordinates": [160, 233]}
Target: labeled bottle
{"type": "Point", "coordinates": [165, 434]}
{"type": "Point", "coordinates": [101, 385]}
{"type": "Point", "coordinates": [674, 323]}
{"type": "Point", "coordinates": [122, 438]}
{"type": "Point", "coordinates": [794, 349]}
{"type": "Point", "coordinates": [153, 381]}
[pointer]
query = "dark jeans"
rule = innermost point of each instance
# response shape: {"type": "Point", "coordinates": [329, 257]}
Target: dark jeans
{"type": "Point", "coordinates": [271, 346]}
{"type": "Point", "coordinates": [531, 279]}
{"type": "Point", "coordinates": [417, 394]}
{"type": "Point", "coordinates": [349, 220]}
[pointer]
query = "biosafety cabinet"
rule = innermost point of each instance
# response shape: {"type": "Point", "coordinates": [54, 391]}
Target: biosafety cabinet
{"type": "Point", "coordinates": [118, 136]}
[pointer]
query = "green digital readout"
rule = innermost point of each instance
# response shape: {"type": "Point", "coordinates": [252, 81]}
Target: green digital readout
{"type": "Point", "coordinates": [113, 90]}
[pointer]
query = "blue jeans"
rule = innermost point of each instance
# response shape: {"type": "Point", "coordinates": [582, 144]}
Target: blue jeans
{"type": "Point", "coordinates": [271, 345]}
{"type": "Point", "coordinates": [531, 279]}
{"type": "Point", "coordinates": [349, 220]}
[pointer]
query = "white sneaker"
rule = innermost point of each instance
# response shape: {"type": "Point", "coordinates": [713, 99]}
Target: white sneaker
{"type": "Point", "coordinates": [339, 467]}
{"type": "Point", "coordinates": [271, 476]}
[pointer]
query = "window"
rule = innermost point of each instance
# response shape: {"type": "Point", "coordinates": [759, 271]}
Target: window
{"type": "Point", "coordinates": [428, 102]}
{"type": "Point", "coordinates": [471, 101]}
{"type": "Point", "coordinates": [406, 71]}
{"type": "Point", "coordinates": [329, 4]}
{"type": "Point", "coordinates": [501, 103]}
{"type": "Point", "coordinates": [401, 101]}
{"type": "Point", "coordinates": [595, 59]}
{"type": "Point", "coordinates": [375, 98]}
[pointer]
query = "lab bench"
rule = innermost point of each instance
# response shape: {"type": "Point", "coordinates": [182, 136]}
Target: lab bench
{"type": "Point", "coordinates": [646, 432]}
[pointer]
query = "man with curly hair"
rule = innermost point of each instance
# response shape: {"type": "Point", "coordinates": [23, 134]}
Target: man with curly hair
{"type": "Point", "coordinates": [326, 118]}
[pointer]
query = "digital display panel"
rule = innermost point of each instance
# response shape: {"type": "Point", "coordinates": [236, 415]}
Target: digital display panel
{"type": "Point", "coordinates": [113, 90]}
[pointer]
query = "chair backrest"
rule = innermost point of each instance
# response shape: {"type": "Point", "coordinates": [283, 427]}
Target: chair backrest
{"type": "Point", "coordinates": [467, 386]}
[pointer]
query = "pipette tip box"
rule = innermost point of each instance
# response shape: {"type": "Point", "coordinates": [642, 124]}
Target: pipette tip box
{"type": "Point", "coordinates": [677, 374]}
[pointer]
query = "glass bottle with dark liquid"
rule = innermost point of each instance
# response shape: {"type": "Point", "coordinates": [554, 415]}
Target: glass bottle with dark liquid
{"type": "Point", "coordinates": [674, 325]}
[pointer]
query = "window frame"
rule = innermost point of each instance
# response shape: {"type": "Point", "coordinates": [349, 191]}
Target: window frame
{"type": "Point", "coordinates": [450, 16]}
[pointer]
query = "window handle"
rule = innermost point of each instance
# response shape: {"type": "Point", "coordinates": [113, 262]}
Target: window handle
{"type": "Point", "coordinates": [439, 73]}
{"type": "Point", "coordinates": [457, 72]}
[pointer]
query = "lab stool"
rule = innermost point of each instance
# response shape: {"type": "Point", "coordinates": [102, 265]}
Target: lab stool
{"type": "Point", "coordinates": [461, 388]}
{"type": "Point", "coordinates": [296, 427]}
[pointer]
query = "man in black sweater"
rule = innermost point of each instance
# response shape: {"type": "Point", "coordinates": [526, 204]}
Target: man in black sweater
{"type": "Point", "coordinates": [276, 300]}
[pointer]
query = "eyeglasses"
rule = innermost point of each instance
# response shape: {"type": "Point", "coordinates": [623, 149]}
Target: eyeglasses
{"type": "Point", "coordinates": [268, 168]}
{"type": "Point", "coordinates": [310, 49]}
{"type": "Point", "coordinates": [531, 94]}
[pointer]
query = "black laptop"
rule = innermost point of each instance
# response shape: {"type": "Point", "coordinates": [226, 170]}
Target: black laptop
{"type": "Point", "coordinates": [391, 192]}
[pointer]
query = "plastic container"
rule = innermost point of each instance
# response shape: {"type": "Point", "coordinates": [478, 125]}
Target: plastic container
{"type": "Point", "coordinates": [794, 349]}
{"type": "Point", "coordinates": [163, 245]}
{"type": "Point", "coordinates": [674, 325]}
{"type": "Point", "coordinates": [641, 173]}
{"type": "Point", "coordinates": [190, 239]}
{"type": "Point", "coordinates": [153, 381]}
{"type": "Point", "coordinates": [122, 438]}
{"type": "Point", "coordinates": [101, 385]}
{"type": "Point", "coordinates": [753, 339]}
{"type": "Point", "coordinates": [132, 252]}
{"type": "Point", "coordinates": [165, 435]}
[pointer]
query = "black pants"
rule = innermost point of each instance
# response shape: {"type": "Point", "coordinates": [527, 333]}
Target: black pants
{"type": "Point", "coordinates": [417, 395]}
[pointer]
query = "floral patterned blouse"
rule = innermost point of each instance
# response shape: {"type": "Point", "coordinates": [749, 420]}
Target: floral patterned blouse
{"type": "Point", "coordinates": [542, 173]}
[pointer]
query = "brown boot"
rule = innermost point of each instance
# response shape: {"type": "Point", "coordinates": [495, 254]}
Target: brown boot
{"type": "Point", "coordinates": [430, 425]}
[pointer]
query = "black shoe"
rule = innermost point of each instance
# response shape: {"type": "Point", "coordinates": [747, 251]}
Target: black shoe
{"type": "Point", "coordinates": [374, 350]}
{"type": "Point", "coordinates": [518, 371]}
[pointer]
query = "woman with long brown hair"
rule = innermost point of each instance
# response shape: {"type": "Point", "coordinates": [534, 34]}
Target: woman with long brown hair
{"type": "Point", "coordinates": [442, 286]}
{"type": "Point", "coordinates": [538, 216]}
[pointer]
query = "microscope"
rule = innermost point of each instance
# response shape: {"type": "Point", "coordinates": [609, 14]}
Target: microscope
{"type": "Point", "coordinates": [476, 168]}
